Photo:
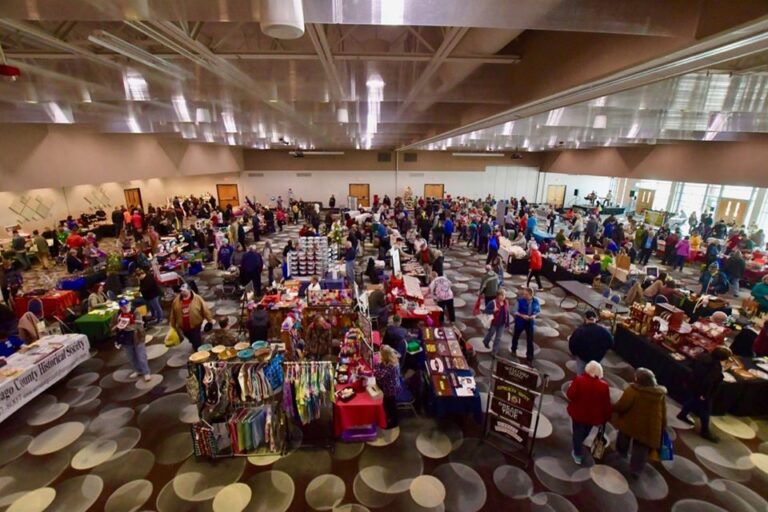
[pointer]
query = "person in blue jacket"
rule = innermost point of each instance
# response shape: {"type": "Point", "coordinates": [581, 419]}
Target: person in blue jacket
{"type": "Point", "coordinates": [530, 227]}
{"type": "Point", "coordinates": [447, 232]}
{"type": "Point", "coordinates": [528, 308]}
{"type": "Point", "coordinates": [225, 255]}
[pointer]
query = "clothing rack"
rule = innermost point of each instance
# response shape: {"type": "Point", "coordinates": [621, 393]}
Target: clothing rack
{"type": "Point", "coordinates": [231, 397]}
{"type": "Point", "coordinates": [310, 377]}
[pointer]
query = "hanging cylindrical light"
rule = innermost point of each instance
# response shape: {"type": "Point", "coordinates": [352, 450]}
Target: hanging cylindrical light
{"type": "Point", "coordinates": [342, 114]}
{"type": "Point", "coordinates": [282, 19]}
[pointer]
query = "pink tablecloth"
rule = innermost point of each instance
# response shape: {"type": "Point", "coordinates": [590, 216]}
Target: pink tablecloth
{"type": "Point", "coordinates": [360, 411]}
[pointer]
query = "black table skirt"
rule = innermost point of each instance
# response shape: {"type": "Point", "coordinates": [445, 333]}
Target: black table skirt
{"type": "Point", "coordinates": [740, 398]}
{"type": "Point", "coordinates": [548, 271]}
{"type": "Point", "coordinates": [105, 230]}
{"type": "Point", "coordinates": [517, 267]}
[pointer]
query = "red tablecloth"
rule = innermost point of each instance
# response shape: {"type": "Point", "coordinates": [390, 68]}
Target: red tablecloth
{"type": "Point", "coordinates": [360, 411]}
{"type": "Point", "coordinates": [55, 302]}
{"type": "Point", "coordinates": [410, 315]}
{"type": "Point", "coordinates": [754, 276]}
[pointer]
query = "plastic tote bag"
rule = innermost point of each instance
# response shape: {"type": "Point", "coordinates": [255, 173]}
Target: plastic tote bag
{"type": "Point", "coordinates": [485, 319]}
{"type": "Point", "coordinates": [172, 338]}
{"type": "Point", "coordinates": [666, 451]}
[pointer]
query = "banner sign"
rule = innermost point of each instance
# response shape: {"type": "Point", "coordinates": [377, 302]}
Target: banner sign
{"type": "Point", "coordinates": [28, 374]}
{"type": "Point", "coordinates": [510, 412]}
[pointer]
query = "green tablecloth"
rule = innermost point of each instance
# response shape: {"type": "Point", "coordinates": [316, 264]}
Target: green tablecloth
{"type": "Point", "coordinates": [96, 325]}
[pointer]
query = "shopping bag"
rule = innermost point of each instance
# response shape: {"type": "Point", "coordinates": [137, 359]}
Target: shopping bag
{"type": "Point", "coordinates": [172, 338]}
{"type": "Point", "coordinates": [485, 320]}
{"type": "Point", "coordinates": [666, 451]}
{"type": "Point", "coordinates": [476, 308]}
{"type": "Point", "coordinates": [600, 444]}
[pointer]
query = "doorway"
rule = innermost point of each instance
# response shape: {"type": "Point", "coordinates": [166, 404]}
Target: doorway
{"type": "Point", "coordinates": [732, 210]}
{"type": "Point", "coordinates": [556, 195]}
{"type": "Point", "coordinates": [362, 191]}
{"type": "Point", "coordinates": [434, 190]}
{"type": "Point", "coordinates": [228, 194]}
{"type": "Point", "coordinates": [645, 197]}
{"type": "Point", "coordinates": [133, 199]}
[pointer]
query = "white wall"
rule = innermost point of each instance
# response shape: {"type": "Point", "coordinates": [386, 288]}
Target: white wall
{"type": "Point", "coordinates": [499, 181]}
{"type": "Point", "coordinates": [583, 183]}
{"type": "Point", "coordinates": [79, 198]}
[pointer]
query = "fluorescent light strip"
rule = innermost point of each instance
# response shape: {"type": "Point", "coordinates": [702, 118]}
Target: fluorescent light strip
{"type": "Point", "coordinates": [230, 126]}
{"type": "Point", "coordinates": [492, 155]}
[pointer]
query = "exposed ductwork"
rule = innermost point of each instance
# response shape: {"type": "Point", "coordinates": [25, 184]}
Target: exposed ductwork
{"type": "Point", "coordinates": [475, 42]}
{"type": "Point", "coordinates": [282, 19]}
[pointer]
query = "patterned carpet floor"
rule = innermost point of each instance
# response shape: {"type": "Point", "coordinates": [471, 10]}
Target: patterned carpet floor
{"type": "Point", "coordinates": [117, 445]}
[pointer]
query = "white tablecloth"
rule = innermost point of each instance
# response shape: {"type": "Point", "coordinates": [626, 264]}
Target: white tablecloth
{"type": "Point", "coordinates": [52, 359]}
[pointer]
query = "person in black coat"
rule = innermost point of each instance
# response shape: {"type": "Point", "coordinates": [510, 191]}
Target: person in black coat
{"type": "Point", "coordinates": [703, 384]}
{"type": "Point", "coordinates": [648, 247]}
{"type": "Point", "coordinates": [258, 324]}
{"type": "Point", "coordinates": [117, 220]}
{"type": "Point", "coordinates": [590, 342]}
{"type": "Point", "coordinates": [734, 268]}
{"type": "Point", "coordinates": [251, 267]}
{"type": "Point", "coordinates": [150, 292]}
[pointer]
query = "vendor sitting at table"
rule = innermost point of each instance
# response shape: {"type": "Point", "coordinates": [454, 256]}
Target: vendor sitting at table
{"type": "Point", "coordinates": [74, 264]}
{"type": "Point", "coordinates": [760, 294]}
{"type": "Point", "coordinates": [97, 298]}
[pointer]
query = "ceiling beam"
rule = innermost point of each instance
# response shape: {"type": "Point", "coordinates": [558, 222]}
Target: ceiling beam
{"type": "Point", "coordinates": [320, 42]}
{"type": "Point", "coordinates": [347, 56]}
{"type": "Point", "coordinates": [194, 32]}
{"type": "Point", "coordinates": [344, 35]}
{"type": "Point", "coordinates": [230, 32]}
{"type": "Point", "coordinates": [741, 41]}
{"type": "Point", "coordinates": [452, 38]}
{"type": "Point", "coordinates": [421, 39]}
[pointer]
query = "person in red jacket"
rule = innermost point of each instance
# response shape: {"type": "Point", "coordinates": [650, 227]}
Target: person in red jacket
{"type": "Point", "coordinates": [590, 406]}
{"type": "Point", "coordinates": [534, 266]}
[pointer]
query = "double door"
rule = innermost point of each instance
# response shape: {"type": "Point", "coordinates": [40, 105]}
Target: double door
{"type": "Point", "coordinates": [732, 210]}
{"type": "Point", "coordinates": [362, 191]}
{"type": "Point", "coordinates": [227, 194]}
{"type": "Point", "coordinates": [645, 197]}
{"type": "Point", "coordinates": [556, 195]}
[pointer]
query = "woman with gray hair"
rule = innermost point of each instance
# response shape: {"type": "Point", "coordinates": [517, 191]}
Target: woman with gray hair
{"type": "Point", "coordinates": [642, 417]}
{"type": "Point", "coordinates": [590, 405]}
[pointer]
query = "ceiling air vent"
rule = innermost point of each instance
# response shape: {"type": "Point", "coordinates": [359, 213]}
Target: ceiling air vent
{"type": "Point", "coordinates": [416, 175]}
{"type": "Point", "coordinates": [303, 174]}
{"type": "Point", "coordinates": [410, 157]}
{"type": "Point", "coordinates": [385, 157]}
{"type": "Point", "coordinates": [255, 174]}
